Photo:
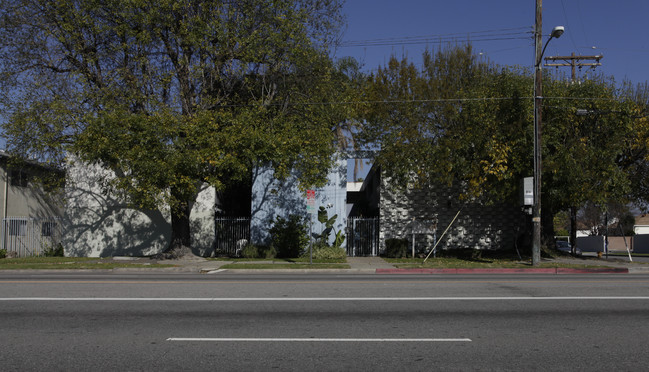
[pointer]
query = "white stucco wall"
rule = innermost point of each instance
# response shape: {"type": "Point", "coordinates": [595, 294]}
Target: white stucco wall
{"type": "Point", "coordinates": [97, 224]}
{"type": "Point", "coordinates": [272, 198]}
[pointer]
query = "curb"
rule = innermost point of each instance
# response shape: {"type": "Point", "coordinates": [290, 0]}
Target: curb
{"type": "Point", "coordinates": [553, 271]}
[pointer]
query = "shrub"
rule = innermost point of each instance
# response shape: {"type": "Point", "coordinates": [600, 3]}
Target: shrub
{"type": "Point", "coordinates": [258, 251]}
{"type": "Point", "coordinates": [250, 251]}
{"type": "Point", "coordinates": [396, 248]}
{"type": "Point", "coordinates": [267, 251]}
{"type": "Point", "coordinates": [323, 218]}
{"type": "Point", "coordinates": [55, 251]}
{"type": "Point", "coordinates": [3, 253]}
{"type": "Point", "coordinates": [289, 236]}
{"type": "Point", "coordinates": [325, 252]}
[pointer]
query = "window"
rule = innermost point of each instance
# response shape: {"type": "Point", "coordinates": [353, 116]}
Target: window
{"type": "Point", "coordinates": [20, 178]}
{"type": "Point", "coordinates": [18, 228]}
{"type": "Point", "coordinates": [48, 228]}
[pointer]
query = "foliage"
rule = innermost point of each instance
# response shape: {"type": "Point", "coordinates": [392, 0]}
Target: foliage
{"type": "Point", "coordinates": [396, 248]}
{"type": "Point", "coordinates": [438, 126]}
{"type": "Point", "coordinates": [170, 95]}
{"type": "Point", "coordinates": [258, 251]}
{"type": "Point", "coordinates": [289, 236]}
{"type": "Point", "coordinates": [323, 237]}
{"type": "Point", "coordinates": [322, 251]}
{"type": "Point", "coordinates": [53, 251]}
{"type": "Point", "coordinates": [3, 253]}
{"type": "Point", "coordinates": [460, 120]}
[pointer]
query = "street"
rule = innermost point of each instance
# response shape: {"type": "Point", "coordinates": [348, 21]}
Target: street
{"type": "Point", "coordinates": [323, 322]}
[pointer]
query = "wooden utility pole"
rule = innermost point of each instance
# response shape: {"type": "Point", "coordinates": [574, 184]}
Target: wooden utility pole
{"type": "Point", "coordinates": [573, 61]}
{"type": "Point", "coordinates": [538, 93]}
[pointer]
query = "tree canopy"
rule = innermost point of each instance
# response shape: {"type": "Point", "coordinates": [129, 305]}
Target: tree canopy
{"type": "Point", "coordinates": [171, 94]}
{"type": "Point", "coordinates": [461, 120]}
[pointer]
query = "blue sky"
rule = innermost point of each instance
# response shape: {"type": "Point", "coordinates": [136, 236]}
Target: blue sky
{"type": "Point", "coordinates": [501, 30]}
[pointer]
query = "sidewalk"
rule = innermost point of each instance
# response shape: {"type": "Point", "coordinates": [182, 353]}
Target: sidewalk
{"type": "Point", "coordinates": [371, 265]}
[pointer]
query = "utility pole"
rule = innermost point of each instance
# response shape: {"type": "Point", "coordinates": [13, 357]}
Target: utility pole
{"type": "Point", "coordinates": [574, 61]}
{"type": "Point", "coordinates": [536, 209]}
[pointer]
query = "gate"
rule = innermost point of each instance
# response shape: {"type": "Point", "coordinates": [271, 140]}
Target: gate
{"type": "Point", "coordinates": [363, 236]}
{"type": "Point", "coordinates": [30, 236]}
{"type": "Point", "coordinates": [229, 232]}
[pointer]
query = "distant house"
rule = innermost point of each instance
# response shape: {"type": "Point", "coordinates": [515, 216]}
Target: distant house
{"type": "Point", "coordinates": [641, 226]}
{"type": "Point", "coordinates": [31, 215]}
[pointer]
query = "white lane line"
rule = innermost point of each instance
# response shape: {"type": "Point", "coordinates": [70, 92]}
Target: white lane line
{"type": "Point", "coordinates": [319, 339]}
{"type": "Point", "coordinates": [323, 299]}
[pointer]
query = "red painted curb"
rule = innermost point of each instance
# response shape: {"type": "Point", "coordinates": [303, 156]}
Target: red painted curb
{"type": "Point", "coordinates": [506, 271]}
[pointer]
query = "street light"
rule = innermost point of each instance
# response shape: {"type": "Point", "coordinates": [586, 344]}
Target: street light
{"type": "Point", "coordinates": [538, 102]}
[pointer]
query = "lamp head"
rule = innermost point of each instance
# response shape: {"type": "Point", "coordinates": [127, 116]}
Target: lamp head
{"type": "Point", "coordinates": [557, 32]}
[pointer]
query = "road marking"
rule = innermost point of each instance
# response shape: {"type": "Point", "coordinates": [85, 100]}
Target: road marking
{"type": "Point", "coordinates": [257, 282]}
{"type": "Point", "coordinates": [321, 299]}
{"type": "Point", "coordinates": [319, 339]}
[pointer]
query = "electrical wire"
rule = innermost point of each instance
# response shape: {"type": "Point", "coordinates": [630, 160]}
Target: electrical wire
{"type": "Point", "coordinates": [521, 33]}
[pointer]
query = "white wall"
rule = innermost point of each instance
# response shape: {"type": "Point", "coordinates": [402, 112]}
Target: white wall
{"type": "Point", "coordinates": [97, 224]}
{"type": "Point", "coordinates": [272, 198]}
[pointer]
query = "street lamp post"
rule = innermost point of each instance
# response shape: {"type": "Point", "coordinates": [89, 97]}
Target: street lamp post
{"type": "Point", "coordinates": [538, 102]}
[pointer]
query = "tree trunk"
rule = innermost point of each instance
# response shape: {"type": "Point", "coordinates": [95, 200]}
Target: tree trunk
{"type": "Point", "coordinates": [573, 229]}
{"type": "Point", "coordinates": [547, 225]}
{"type": "Point", "coordinates": [180, 244]}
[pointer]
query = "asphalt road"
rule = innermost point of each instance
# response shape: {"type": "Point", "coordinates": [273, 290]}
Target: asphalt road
{"type": "Point", "coordinates": [323, 322]}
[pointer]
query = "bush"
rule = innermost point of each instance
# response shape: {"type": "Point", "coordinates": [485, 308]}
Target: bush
{"type": "Point", "coordinates": [289, 236]}
{"type": "Point", "coordinates": [323, 251]}
{"type": "Point", "coordinates": [55, 251]}
{"type": "Point", "coordinates": [396, 248]}
{"type": "Point", "coordinates": [3, 253]}
{"type": "Point", "coordinates": [258, 251]}
{"type": "Point", "coordinates": [250, 251]}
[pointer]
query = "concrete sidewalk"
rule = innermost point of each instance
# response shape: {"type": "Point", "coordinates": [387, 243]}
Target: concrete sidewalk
{"type": "Point", "coordinates": [369, 265]}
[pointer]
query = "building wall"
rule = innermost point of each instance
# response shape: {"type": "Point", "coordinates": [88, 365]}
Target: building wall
{"type": "Point", "coordinates": [272, 198]}
{"type": "Point", "coordinates": [476, 227]}
{"type": "Point", "coordinates": [29, 200]}
{"type": "Point", "coordinates": [98, 224]}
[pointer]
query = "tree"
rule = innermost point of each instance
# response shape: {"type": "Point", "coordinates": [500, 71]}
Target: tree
{"type": "Point", "coordinates": [457, 120]}
{"type": "Point", "coordinates": [462, 121]}
{"type": "Point", "coordinates": [171, 94]}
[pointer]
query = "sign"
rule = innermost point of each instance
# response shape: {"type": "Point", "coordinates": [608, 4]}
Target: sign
{"type": "Point", "coordinates": [310, 201]}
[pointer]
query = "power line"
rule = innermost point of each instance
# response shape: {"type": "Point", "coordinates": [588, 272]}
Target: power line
{"type": "Point", "coordinates": [488, 35]}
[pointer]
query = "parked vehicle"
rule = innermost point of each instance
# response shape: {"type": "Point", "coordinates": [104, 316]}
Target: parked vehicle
{"type": "Point", "coordinates": [564, 246]}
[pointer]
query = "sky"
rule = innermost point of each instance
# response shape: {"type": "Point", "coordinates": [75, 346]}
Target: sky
{"type": "Point", "coordinates": [502, 30]}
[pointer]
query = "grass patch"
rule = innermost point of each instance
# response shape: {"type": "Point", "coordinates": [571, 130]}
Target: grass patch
{"type": "Point", "coordinates": [279, 260]}
{"type": "Point", "coordinates": [58, 263]}
{"type": "Point", "coordinates": [479, 263]}
{"type": "Point", "coordinates": [281, 266]}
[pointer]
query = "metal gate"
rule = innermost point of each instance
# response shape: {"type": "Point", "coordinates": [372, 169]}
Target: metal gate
{"type": "Point", "coordinates": [30, 236]}
{"type": "Point", "coordinates": [363, 236]}
{"type": "Point", "coordinates": [230, 233]}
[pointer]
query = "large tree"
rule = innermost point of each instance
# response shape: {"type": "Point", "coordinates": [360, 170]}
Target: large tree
{"type": "Point", "coordinates": [463, 121]}
{"type": "Point", "coordinates": [456, 120]}
{"type": "Point", "coordinates": [171, 94]}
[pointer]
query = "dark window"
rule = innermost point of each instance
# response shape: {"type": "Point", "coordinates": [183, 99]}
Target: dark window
{"type": "Point", "coordinates": [19, 178]}
{"type": "Point", "coordinates": [48, 228]}
{"type": "Point", "coordinates": [18, 228]}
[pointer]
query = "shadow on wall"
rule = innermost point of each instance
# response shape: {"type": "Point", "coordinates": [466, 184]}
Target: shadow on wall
{"type": "Point", "coordinates": [272, 198]}
{"type": "Point", "coordinates": [98, 224]}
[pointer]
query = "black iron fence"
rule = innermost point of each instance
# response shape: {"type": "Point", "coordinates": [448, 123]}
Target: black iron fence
{"type": "Point", "coordinates": [362, 236]}
{"type": "Point", "coordinates": [232, 234]}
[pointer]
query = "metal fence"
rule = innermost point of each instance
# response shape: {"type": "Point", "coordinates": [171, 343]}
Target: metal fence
{"type": "Point", "coordinates": [30, 236]}
{"type": "Point", "coordinates": [362, 236]}
{"type": "Point", "coordinates": [232, 233]}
